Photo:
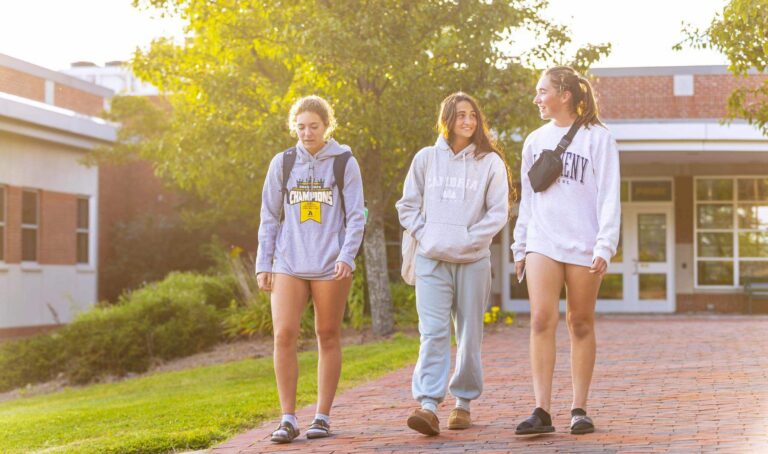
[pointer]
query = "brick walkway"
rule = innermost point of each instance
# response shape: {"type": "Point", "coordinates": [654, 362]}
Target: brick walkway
{"type": "Point", "coordinates": [662, 383]}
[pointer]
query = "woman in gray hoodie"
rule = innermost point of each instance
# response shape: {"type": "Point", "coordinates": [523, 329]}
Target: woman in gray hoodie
{"type": "Point", "coordinates": [455, 199]}
{"type": "Point", "coordinates": [309, 234]}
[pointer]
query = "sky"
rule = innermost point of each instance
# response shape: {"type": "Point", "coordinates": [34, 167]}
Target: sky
{"type": "Point", "coordinates": [55, 33]}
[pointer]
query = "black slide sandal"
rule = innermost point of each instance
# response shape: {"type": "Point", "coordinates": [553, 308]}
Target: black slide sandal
{"type": "Point", "coordinates": [534, 424]}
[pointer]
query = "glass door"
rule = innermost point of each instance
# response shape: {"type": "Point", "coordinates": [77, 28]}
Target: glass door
{"type": "Point", "coordinates": [640, 277]}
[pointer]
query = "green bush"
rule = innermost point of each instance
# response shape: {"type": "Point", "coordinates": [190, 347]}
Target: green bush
{"type": "Point", "coordinates": [161, 321]}
{"type": "Point", "coordinates": [32, 360]}
{"type": "Point", "coordinates": [218, 291]}
{"type": "Point", "coordinates": [404, 302]}
{"type": "Point", "coordinates": [128, 337]}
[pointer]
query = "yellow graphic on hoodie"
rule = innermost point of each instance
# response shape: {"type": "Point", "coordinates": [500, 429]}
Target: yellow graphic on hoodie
{"type": "Point", "coordinates": [311, 194]}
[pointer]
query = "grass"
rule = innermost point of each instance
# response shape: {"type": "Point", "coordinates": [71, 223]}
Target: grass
{"type": "Point", "coordinates": [182, 410]}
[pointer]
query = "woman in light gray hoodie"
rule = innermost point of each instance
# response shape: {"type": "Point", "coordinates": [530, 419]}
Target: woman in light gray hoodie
{"type": "Point", "coordinates": [455, 199]}
{"type": "Point", "coordinates": [311, 229]}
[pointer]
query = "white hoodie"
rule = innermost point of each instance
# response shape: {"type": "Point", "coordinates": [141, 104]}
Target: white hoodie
{"type": "Point", "coordinates": [465, 202]}
{"type": "Point", "coordinates": [578, 218]}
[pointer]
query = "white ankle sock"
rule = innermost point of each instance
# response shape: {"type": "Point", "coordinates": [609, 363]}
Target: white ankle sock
{"type": "Point", "coordinates": [462, 403]}
{"type": "Point", "coordinates": [429, 404]}
{"type": "Point", "coordinates": [325, 418]}
{"type": "Point", "coordinates": [291, 419]}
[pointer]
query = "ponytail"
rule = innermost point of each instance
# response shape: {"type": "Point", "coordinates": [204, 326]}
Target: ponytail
{"type": "Point", "coordinates": [583, 102]}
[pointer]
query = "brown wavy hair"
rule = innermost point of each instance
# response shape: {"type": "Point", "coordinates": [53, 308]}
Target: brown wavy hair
{"type": "Point", "coordinates": [482, 139]}
{"type": "Point", "coordinates": [583, 102]}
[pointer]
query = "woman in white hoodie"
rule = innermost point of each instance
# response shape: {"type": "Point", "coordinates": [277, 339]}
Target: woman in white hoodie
{"type": "Point", "coordinates": [455, 199]}
{"type": "Point", "coordinates": [566, 234]}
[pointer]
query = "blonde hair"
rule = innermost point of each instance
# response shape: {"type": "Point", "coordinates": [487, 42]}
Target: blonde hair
{"type": "Point", "coordinates": [316, 105]}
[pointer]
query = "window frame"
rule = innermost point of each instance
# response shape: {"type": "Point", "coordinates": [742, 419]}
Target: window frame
{"type": "Point", "coordinates": [35, 227]}
{"type": "Point", "coordinates": [734, 230]}
{"type": "Point", "coordinates": [83, 230]}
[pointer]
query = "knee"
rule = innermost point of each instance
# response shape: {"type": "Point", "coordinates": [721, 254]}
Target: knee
{"type": "Point", "coordinates": [328, 338]}
{"type": "Point", "coordinates": [543, 323]}
{"type": "Point", "coordinates": [581, 326]}
{"type": "Point", "coordinates": [286, 338]}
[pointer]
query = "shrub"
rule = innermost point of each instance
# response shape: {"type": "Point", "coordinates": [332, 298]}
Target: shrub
{"type": "Point", "coordinates": [404, 302]}
{"type": "Point", "coordinates": [161, 321]}
{"type": "Point", "coordinates": [32, 360]}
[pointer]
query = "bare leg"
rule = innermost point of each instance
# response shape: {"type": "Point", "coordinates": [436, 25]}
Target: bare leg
{"type": "Point", "coordinates": [545, 280]}
{"type": "Point", "coordinates": [289, 298]}
{"type": "Point", "coordinates": [582, 288]}
{"type": "Point", "coordinates": [330, 299]}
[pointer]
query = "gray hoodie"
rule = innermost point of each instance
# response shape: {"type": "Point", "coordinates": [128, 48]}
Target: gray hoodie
{"type": "Point", "coordinates": [454, 204]}
{"type": "Point", "coordinates": [312, 237]}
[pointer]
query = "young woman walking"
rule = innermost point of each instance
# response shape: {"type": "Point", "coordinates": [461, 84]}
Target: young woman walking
{"type": "Point", "coordinates": [455, 199]}
{"type": "Point", "coordinates": [566, 234]}
{"type": "Point", "coordinates": [309, 235]}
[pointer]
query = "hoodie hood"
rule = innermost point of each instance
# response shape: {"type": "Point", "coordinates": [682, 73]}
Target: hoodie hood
{"type": "Point", "coordinates": [447, 162]}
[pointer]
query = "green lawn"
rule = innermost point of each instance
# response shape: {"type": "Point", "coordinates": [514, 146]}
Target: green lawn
{"type": "Point", "coordinates": [189, 409]}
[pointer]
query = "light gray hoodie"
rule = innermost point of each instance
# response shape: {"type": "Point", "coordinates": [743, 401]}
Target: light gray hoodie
{"type": "Point", "coordinates": [454, 204]}
{"type": "Point", "coordinates": [312, 237]}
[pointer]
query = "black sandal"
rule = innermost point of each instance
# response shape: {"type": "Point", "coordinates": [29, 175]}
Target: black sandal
{"type": "Point", "coordinates": [534, 424]}
{"type": "Point", "coordinates": [581, 423]}
{"type": "Point", "coordinates": [319, 429]}
{"type": "Point", "coordinates": [285, 433]}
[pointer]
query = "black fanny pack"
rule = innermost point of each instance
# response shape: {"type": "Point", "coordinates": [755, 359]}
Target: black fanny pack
{"type": "Point", "coordinates": [549, 166]}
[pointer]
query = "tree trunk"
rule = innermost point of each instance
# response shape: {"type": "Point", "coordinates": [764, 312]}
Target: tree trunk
{"type": "Point", "coordinates": [375, 252]}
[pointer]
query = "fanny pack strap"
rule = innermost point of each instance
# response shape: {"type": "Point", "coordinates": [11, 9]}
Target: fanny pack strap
{"type": "Point", "coordinates": [567, 138]}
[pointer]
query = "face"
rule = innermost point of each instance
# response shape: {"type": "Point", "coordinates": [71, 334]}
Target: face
{"type": "Point", "coordinates": [311, 130]}
{"type": "Point", "coordinates": [548, 100]}
{"type": "Point", "coordinates": [466, 121]}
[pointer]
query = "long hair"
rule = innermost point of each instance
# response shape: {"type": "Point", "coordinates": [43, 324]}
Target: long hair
{"type": "Point", "coordinates": [482, 139]}
{"type": "Point", "coordinates": [583, 103]}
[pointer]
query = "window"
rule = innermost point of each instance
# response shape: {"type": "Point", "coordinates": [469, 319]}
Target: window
{"type": "Point", "coordinates": [29, 224]}
{"type": "Point", "coordinates": [82, 230]}
{"type": "Point", "coordinates": [2, 223]}
{"type": "Point", "coordinates": [731, 229]}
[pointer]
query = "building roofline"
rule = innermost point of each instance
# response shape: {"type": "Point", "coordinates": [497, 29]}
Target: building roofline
{"type": "Point", "coordinates": [55, 76]}
{"type": "Point", "coordinates": [702, 70]}
{"type": "Point", "coordinates": [36, 114]}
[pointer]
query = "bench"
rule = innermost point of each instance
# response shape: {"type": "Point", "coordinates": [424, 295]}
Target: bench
{"type": "Point", "coordinates": [755, 291]}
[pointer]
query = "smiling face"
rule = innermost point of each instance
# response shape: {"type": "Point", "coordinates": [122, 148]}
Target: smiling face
{"type": "Point", "coordinates": [551, 104]}
{"type": "Point", "coordinates": [311, 131]}
{"type": "Point", "coordinates": [465, 125]}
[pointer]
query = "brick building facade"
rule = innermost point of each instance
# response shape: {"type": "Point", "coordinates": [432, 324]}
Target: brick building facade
{"type": "Point", "coordinates": [694, 194]}
{"type": "Point", "coordinates": [48, 199]}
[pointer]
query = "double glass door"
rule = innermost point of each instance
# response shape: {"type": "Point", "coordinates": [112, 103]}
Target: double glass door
{"type": "Point", "coordinates": [640, 277]}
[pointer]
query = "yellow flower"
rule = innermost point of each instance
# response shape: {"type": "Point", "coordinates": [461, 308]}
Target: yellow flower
{"type": "Point", "coordinates": [487, 318]}
{"type": "Point", "coordinates": [495, 309]}
{"type": "Point", "coordinates": [509, 320]}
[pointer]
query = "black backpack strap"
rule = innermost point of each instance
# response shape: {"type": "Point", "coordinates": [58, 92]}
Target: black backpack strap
{"type": "Point", "coordinates": [339, 168]}
{"type": "Point", "coordinates": [289, 159]}
{"type": "Point", "coordinates": [567, 138]}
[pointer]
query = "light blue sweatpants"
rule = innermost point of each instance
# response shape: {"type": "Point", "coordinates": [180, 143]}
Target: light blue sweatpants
{"type": "Point", "coordinates": [447, 290]}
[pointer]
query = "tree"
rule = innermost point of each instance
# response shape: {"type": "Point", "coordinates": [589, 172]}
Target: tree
{"type": "Point", "coordinates": [740, 32]}
{"type": "Point", "coordinates": [384, 65]}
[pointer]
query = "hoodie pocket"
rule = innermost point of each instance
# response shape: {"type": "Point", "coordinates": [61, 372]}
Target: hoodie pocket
{"type": "Point", "coordinates": [449, 242]}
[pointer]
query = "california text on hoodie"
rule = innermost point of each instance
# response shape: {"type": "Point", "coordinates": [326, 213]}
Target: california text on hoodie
{"type": "Point", "coordinates": [312, 236]}
{"type": "Point", "coordinates": [465, 202]}
{"type": "Point", "coordinates": [578, 218]}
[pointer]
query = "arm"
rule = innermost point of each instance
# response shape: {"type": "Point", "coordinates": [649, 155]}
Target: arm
{"type": "Point", "coordinates": [608, 179]}
{"type": "Point", "coordinates": [409, 206]}
{"type": "Point", "coordinates": [355, 205]}
{"type": "Point", "coordinates": [524, 208]}
{"type": "Point", "coordinates": [271, 207]}
{"type": "Point", "coordinates": [497, 204]}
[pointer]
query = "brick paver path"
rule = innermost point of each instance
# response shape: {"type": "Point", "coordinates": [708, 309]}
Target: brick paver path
{"type": "Point", "coordinates": [662, 383]}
